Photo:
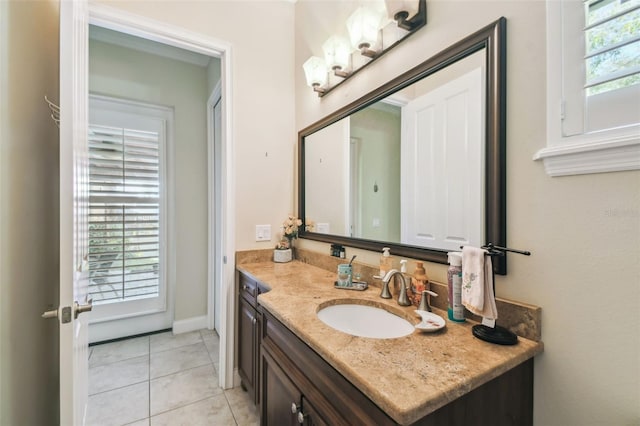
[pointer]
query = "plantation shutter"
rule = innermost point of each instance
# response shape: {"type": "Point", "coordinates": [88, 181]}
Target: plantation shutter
{"type": "Point", "coordinates": [124, 214]}
{"type": "Point", "coordinates": [612, 38]}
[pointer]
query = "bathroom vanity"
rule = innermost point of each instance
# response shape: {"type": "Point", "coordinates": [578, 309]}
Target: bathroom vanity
{"type": "Point", "coordinates": [305, 372]}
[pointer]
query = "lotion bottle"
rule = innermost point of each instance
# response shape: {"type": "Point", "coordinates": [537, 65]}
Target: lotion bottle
{"type": "Point", "coordinates": [455, 309]}
{"type": "Point", "coordinates": [419, 282]}
{"type": "Point", "coordinates": [385, 262]}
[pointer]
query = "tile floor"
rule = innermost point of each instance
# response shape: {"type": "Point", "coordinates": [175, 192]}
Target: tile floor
{"type": "Point", "coordinates": [163, 379]}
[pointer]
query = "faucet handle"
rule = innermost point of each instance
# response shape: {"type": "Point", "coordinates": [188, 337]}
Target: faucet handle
{"type": "Point", "coordinates": [424, 300]}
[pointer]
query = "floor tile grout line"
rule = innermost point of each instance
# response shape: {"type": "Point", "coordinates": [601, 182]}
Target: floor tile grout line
{"type": "Point", "coordinates": [233, 414]}
{"type": "Point", "coordinates": [178, 347]}
{"type": "Point", "coordinates": [187, 404]}
{"type": "Point", "coordinates": [119, 387]}
{"type": "Point", "coordinates": [181, 371]}
{"type": "Point", "coordinates": [115, 362]}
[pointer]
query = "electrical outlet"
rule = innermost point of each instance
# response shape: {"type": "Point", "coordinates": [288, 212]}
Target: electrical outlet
{"type": "Point", "coordinates": [263, 232]}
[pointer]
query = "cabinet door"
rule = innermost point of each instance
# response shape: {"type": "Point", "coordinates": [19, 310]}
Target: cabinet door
{"type": "Point", "coordinates": [280, 398]}
{"type": "Point", "coordinates": [247, 346]}
{"type": "Point", "coordinates": [310, 416]}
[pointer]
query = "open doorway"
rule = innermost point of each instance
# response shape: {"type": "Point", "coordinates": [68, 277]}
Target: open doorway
{"type": "Point", "coordinates": [206, 196]}
{"type": "Point", "coordinates": [148, 149]}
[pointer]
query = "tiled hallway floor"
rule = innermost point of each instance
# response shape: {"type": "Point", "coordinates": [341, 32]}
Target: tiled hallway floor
{"type": "Point", "coordinates": [163, 379]}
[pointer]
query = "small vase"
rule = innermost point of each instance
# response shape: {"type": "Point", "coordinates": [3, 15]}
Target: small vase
{"type": "Point", "coordinates": [282, 256]}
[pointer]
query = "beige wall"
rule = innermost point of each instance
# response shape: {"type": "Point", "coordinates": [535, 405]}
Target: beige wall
{"type": "Point", "coordinates": [261, 37]}
{"type": "Point", "coordinates": [584, 231]}
{"type": "Point", "coordinates": [130, 74]}
{"type": "Point", "coordinates": [28, 213]}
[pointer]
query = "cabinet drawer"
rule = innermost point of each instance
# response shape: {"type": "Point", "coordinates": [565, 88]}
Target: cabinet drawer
{"type": "Point", "coordinates": [248, 289]}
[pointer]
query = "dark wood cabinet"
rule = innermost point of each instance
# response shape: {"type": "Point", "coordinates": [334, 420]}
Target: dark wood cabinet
{"type": "Point", "coordinates": [327, 397]}
{"type": "Point", "coordinates": [324, 396]}
{"type": "Point", "coordinates": [248, 338]}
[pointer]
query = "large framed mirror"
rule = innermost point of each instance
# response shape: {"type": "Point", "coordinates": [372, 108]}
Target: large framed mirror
{"type": "Point", "coordinates": [417, 165]}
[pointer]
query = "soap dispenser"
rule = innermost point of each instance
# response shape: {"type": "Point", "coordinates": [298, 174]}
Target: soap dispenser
{"type": "Point", "coordinates": [419, 283]}
{"type": "Point", "coordinates": [386, 263]}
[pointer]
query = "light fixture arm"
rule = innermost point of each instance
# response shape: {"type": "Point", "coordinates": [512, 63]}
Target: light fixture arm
{"type": "Point", "coordinates": [416, 21]}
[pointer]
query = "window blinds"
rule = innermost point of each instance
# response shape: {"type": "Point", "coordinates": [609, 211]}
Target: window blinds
{"type": "Point", "coordinates": [612, 37]}
{"type": "Point", "coordinates": [124, 214]}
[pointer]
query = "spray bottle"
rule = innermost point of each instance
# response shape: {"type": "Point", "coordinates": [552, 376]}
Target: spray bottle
{"type": "Point", "coordinates": [455, 310]}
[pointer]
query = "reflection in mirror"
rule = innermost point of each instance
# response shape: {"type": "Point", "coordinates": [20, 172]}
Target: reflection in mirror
{"type": "Point", "coordinates": [407, 169]}
{"type": "Point", "coordinates": [417, 164]}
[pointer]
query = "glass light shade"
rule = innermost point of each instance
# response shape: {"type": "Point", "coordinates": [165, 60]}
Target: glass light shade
{"type": "Point", "coordinates": [396, 6]}
{"type": "Point", "coordinates": [363, 26]}
{"type": "Point", "coordinates": [337, 53]}
{"type": "Point", "coordinates": [315, 70]}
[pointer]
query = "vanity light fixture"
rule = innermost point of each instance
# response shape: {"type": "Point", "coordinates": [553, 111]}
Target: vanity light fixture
{"type": "Point", "coordinates": [364, 30]}
{"type": "Point", "coordinates": [366, 27]}
{"type": "Point", "coordinates": [315, 69]}
{"type": "Point", "coordinates": [337, 54]}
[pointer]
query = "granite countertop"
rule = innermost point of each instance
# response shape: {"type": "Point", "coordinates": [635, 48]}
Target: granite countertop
{"type": "Point", "coordinates": [407, 377]}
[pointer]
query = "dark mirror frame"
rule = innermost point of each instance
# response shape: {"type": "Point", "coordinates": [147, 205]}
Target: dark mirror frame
{"type": "Point", "coordinates": [493, 39]}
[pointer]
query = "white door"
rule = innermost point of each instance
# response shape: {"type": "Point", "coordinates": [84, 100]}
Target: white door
{"type": "Point", "coordinates": [74, 174]}
{"type": "Point", "coordinates": [442, 134]}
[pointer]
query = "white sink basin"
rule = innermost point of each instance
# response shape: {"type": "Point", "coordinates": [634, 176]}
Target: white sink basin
{"type": "Point", "coordinates": [365, 321]}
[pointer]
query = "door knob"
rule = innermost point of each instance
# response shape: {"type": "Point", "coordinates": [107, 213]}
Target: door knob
{"type": "Point", "coordinates": [78, 309]}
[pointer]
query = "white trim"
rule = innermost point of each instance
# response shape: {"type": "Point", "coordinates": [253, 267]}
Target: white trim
{"type": "Point", "coordinates": [569, 149]}
{"type": "Point", "coordinates": [190, 324]}
{"type": "Point", "coordinates": [214, 262]}
{"type": "Point", "coordinates": [118, 20]}
{"type": "Point", "coordinates": [599, 157]}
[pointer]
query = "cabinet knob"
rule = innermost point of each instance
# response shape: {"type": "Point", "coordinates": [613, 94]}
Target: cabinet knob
{"type": "Point", "coordinates": [294, 408]}
{"type": "Point", "coordinates": [254, 320]}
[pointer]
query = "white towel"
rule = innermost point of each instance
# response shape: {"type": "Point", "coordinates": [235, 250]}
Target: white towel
{"type": "Point", "coordinates": [477, 283]}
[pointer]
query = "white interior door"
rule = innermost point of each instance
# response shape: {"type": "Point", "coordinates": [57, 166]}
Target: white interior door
{"type": "Point", "coordinates": [74, 176]}
{"type": "Point", "coordinates": [441, 136]}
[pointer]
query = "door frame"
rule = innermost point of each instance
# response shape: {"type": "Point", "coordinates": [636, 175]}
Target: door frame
{"type": "Point", "coordinates": [216, 258]}
{"type": "Point", "coordinates": [125, 22]}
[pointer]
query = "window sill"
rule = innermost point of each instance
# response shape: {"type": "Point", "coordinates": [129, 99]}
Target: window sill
{"type": "Point", "coordinates": [586, 158]}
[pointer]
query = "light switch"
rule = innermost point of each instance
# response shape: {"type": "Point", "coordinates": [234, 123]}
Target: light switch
{"type": "Point", "coordinates": [376, 222]}
{"type": "Point", "coordinates": [322, 228]}
{"type": "Point", "coordinates": [263, 232]}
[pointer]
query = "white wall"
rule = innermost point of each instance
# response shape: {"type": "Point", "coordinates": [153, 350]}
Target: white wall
{"type": "Point", "coordinates": [130, 74]}
{"type": "Point", "coordinates": [327, 178]}
{"type": "Point", "coordinates": [29, 241]}
{"type": "Point", "coordinates": [584, 231]}
{"type": "Point", "coordinates": [261, 37]}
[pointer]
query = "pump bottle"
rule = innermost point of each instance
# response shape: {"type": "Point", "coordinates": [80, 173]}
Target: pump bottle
{"type": "Point", "coordinates": [385, 261]}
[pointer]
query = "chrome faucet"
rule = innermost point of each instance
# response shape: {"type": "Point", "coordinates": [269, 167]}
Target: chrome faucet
{"type": "Point", "coordinates": [385, 294]}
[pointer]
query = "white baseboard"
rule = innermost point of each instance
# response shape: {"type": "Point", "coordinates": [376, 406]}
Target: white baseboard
{"type": "Point", "coordinates": [190, 324]}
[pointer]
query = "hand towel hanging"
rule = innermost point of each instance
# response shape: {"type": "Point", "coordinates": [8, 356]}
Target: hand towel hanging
{"type": "Point", "coordinates": [477, 283]}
